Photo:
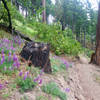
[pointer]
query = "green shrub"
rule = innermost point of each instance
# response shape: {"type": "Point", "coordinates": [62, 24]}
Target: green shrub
{"type": "Point", "coordinates": [52, 88]}
{"type": "Point", "coordinates": [25, 85]}
{"type": "Point", "coordinates": [60, 43]}
{"type": "Point", "coordinates": [13, 11]}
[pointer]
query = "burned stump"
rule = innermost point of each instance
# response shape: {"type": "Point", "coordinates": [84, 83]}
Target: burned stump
{"type": "Point", "coordinates": [38, 54]}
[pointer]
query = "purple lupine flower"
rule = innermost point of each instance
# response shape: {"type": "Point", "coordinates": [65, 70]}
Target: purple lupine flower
{"type": "Point", "coordinates": [36, 79]}
{"type": "Point", "coordinates": [40, 82]}
{"type": "Point", "coordinates": [19, 42]}
{"type": "Point", "coordinates": [20, 73]}
{"type": "Point", "coordinates": [6, 82]}
{"type": "Point", "coordinates": [12, 48]}
{"type": "Point", "coordinates": [67, 90]}
{"type": "Point", "coordinates": [54, 57]}
{"type": "Point", "coordinates": [1, 86]}
{"type": "Point", "coordinates": [25, 76]}
{"type": "Point", "coordinates": [27, 72]}
{"type": "Point", "coordinates": [66, 63]}
{"type": "Point", "coordinates": [17, 64]}
{"type": "Point", "coordinates": [2, 56]}
{"type": "Point", "coordinates": [15, 57]}
{"type": "Point", "coordinates": [1, 61]}
{"type": "Point", "coordinates": [2, 52]}
{"type": "Point", "coordinates": [9, 56]}
{"type": "Point", "coordinates": [14, 64]}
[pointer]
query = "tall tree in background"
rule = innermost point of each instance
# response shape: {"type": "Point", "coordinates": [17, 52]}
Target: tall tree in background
{"type": "Point", "coordinates": [96, 56]}
{"type": "Point", "coordinates": [44, 11]}
{"type": "Point", "coordinates": [9, 16]}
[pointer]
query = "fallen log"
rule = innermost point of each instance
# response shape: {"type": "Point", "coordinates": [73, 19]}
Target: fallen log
{"type": "Point", "coordinates": [15, 32]}
{"type": "Point", "coordinates": [38, 54]}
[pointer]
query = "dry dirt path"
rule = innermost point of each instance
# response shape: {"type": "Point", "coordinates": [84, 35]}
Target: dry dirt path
{"type": "Point", "coordinates": [83, 83]}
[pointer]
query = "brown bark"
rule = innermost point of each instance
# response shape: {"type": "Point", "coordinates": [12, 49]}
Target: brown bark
{"type": "Point", "coordinates": [37, 53]}
{"type": "Point", "coordinates": [44, 11]}
{"type": "Point", "coordinates": [95, 58]}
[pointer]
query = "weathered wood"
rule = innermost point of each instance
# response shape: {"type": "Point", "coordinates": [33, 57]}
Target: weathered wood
{"type": "Point", "coordinates": [38, 54]}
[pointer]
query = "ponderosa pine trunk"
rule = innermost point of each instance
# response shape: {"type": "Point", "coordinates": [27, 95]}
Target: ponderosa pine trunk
{"type": "Point", "coordinates": [95, 58]}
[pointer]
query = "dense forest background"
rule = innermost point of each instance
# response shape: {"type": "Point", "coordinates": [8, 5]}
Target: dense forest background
{"type": "Point", "coordinates": [43, 20]}
{"type": "Point", "coordinates": [46, 47]}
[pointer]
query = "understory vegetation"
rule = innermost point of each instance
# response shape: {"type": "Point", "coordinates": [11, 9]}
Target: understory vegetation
{"type": "Point", "coordinates": [23, 77]}
{"type": "Point", "coordinates": [71, 33]}
{"type": "Point", "coordinates": [59, 40]}
{"type": "Point", "coordinates": [52, 88]}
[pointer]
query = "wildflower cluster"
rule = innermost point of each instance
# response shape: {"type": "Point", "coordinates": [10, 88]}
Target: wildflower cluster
{"type": "Point", "coordinates": [10, 45]}
{"type": "Point", "coordinates": [8, 59]}
{"type": "Point", "coordinates": [9, 62]}
{"type": "Point", "coordinates": [26, 82]}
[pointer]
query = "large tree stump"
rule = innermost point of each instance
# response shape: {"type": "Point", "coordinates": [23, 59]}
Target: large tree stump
{"type": "Point", "coordinates": [38, 54]}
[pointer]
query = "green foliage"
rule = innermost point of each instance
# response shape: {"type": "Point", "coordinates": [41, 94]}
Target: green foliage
{"type": "Point", "coordinates": [25, 85]}
{"type": "Point", "coordinates": [60, 43]}
{"type": "Point", "coordinates": [88, 52]}
{"type": "Point", "coordinates": [65, 45]}
{"type": "Point", "coordinates": [25, 28]}
{"type": "Point", "coordinates": [5, 68]}
{"type": "Point", "coordinates": [57, 65]}
{"type": "Point", "coordinates": [13, 11]}
{"type": "Point", "coordinates": [52, 88]}
{"type": "Point", "coordinates": [41, 98]}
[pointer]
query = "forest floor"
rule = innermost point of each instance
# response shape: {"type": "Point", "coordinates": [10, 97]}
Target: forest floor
{"type": "Point", "coordinates": [82, 79]}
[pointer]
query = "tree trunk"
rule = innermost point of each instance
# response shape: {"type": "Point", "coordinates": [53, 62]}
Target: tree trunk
{"type": "Point", "coordinates": [44, 11]}
{"type": "Point", "coordinates": [95, 58]}
{"type": "Point", "coordinates": [84, 37]}
{"type": "Point", "coordinates": [9, 16]}
{"type": "Point", "coordinates": [26, 12]}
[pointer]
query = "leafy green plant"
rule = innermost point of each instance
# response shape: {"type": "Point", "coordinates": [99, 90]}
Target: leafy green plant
{"type": "Point", "coordinates": [41, 98]}
{"type": "Point", "coordinates": [88, 52]}
{"type": "Point", "coordinates": [52, 88]}
{"type": "Point", "coordinates": [13, 11]}
{"type": "Point", "coordinates": [25, 85]}
{"type": "Point", "coordinates": [57, 65]}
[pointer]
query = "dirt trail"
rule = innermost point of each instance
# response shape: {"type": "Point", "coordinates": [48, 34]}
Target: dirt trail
{"type": "Point", "coordinates": [82, 81]}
